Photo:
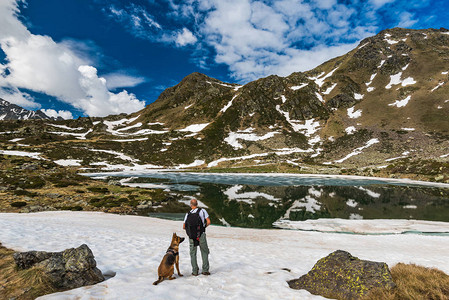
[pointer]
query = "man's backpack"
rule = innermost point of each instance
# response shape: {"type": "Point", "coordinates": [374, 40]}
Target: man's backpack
{"type": "Point", "coordinates": [194, 226]}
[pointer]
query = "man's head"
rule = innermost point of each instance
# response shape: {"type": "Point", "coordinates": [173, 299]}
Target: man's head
{"type": "Point", "coordinates": [193, 203]}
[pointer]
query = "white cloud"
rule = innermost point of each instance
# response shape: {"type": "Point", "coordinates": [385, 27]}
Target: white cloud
{"type": "Point", "coordinates": [55, 114]}
{"type": "Point", "coordinates": [13, 95]}
{"type": "Point", "coordinates": [256, 40]}
{"type": "Point", "coordinates": [406, 20]}
{"type": "Point", "coordinates": [185, 37]}
{"type": "Point", "coordinates": [122, 80]}
{"type": "Point", "coordinates": [380, 3]}
{"type": "Point", "coordinates": [38, 63]}
{"type": "Point", "coordinates": [138, 21]}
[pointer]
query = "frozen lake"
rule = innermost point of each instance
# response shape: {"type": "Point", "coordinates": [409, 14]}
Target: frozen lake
{"type": "Point", "coordinates": [276, 200]}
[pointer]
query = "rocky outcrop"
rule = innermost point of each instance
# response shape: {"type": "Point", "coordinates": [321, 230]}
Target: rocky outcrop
{"type": "Point", "coordinates": [343, 276]}
{"type": "Point", "coordinates": [69, 269]}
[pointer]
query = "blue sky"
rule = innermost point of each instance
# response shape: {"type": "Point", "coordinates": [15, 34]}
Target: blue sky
{"type": "Point", "coordinates": [98, 57]}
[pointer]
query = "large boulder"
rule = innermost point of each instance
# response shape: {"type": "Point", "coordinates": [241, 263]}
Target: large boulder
{"type": "Point", "coordinates": [343, 276]}
{"type": "Point", "coordinates": [69, 269]}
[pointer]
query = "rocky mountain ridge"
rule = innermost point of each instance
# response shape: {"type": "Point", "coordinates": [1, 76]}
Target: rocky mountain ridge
{"type": "Point", "coordinates": [382, 106]}
{"type": "Point", "coordinates": [9, 111]}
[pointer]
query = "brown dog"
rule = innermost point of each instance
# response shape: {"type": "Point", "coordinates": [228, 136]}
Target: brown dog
{"type": "Point", "coordinates": [166, 268]}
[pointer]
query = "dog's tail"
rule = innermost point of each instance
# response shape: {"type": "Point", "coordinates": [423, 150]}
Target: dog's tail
{"type": "Point", "coordinates": [158, 280]}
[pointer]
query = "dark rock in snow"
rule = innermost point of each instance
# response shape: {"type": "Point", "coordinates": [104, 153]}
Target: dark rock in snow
{"type": "Point", "coordinates": [69, 269]}
{"type": "Point", "coordinates": [343, 276]}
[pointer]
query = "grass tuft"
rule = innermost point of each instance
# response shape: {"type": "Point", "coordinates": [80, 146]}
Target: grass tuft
{"type": "Point", "coordinates": [21, 284]}
{"type": "Point", "coordinates": [415, 282]}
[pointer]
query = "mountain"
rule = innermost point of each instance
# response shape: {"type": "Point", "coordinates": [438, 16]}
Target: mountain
{"type": "Point", "coordinates": [10, 111]}
{"type": "Point", "coordinates": [381, 109]}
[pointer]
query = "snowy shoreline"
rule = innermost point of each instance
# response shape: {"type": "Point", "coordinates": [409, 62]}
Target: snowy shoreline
{"type": "Point", "coordinates": [133, 246]}
{"type": "Point", "coordinates": [373, 226]}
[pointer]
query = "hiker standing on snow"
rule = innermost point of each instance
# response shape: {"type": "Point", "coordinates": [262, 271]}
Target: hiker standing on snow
{"type": "Point", "coordinates": [195, 223]}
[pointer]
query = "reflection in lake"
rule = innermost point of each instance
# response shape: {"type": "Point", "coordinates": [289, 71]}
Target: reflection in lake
{"type": "Point", "coordinates": [259, 201]}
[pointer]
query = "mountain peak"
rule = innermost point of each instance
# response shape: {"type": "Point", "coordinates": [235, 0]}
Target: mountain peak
{"type": "Point", "coordinates": [9, 111]}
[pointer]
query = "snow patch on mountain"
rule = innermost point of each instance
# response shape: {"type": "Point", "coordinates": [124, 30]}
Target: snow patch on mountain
{"type": "Point", "coordinates": [65, 127]}
{"type": "Point", "coordinates": [404, 155]}
{"type": "Point", "coordinates": [329, 89]}
{"type": "Point", "coordinates": [388, 40]}
{"type": "Point", "coordinates": [359, 150]}
{"type": "Point", "coordinates": [350, 130]}
{"type": "Point", "coordinates": [396, 79]}
{"type": "Point", "coordinates": [308, 128]}
{"type": "Point", "coordinates": [319, 80]}
{"type": "Point", "coordinates": [401, 103]}
{"type": "Point", "coordinates": [351, 203]}
{"type": "Point", "coordinates": [194, 128]}
{"type": "Point", "coordinates": [358, 96]}
{"type": "Point", "coordinates": [115, 153]}
{"type": "Point", "coordinates": [354, 114]}
{"type": "Point", "coordinates": [319, 97]}
{"type": "Point", "coordinates": [129, 127]}
{"type": "Point", "coordinates": [35, 155]}
{"type": "Point", "coordinates": [438, 86]}
{"type": "Point", "coordinates": [297, 87]}
{"type": "Point", "coordinates": [225, 108]}
{"type": "Point", "coordinates": [233, 137]}
{"type": "Point", "coordinates": [68, 162]}
{"type": "Point", "coordinates": [80, 136]}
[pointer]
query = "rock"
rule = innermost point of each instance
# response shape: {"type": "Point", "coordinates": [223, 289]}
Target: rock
{"type": "Point", "coordinates": [69, 269]}
{"type": "Point", "coordinates": [29, 167]}
{"type": "Point", "coordinates": [53, 195]}
{"type": "Point", "coordinates": [343, 276]}
{"type": "Point", "coordinates": [114, 182]}
{"type": "Point", "coordinates": [35, 208]}
{"type": "Point", "coordinates": [25, 260]}
{"type": "Point", "coordinates": [439, 177]}
{"type": "Point", "coordinates": [341, 100]}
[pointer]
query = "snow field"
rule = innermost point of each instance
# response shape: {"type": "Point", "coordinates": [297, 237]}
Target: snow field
{"type": "Point", "coordinates": [80, 136]}
{"type": "Point", "coordinates": [194, 128]}
{"type": "Point", "coordinates": [68, 162]}
{"type": "Point", "coordinates": [233, 137]}
{"type": "Point", "coordinates": [35, 155]}
{"type": "Point", "coordinates": [240, 258]}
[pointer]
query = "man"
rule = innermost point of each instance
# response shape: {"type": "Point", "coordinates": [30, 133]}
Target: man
{"type": "Point", "coordinates": [197, 220]}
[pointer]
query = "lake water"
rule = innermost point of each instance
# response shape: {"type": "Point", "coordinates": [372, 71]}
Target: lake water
{"type": "Point", "coordinates": [258, 201]}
